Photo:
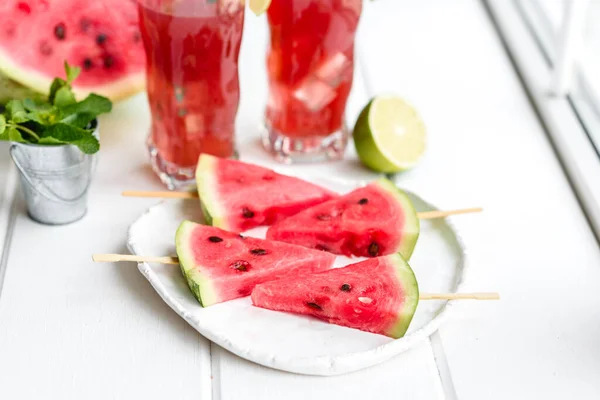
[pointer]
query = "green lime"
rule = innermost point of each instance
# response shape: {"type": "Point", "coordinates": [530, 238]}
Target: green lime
{"type": "Point", "coordinates": [389, 135]}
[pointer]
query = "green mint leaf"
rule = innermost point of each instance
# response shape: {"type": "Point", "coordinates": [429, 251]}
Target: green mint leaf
{"type": "Point", "coordinates": [65, 133]}
{"type": "Point", "coordinates": [72, 72]}
{"type": "Point", "coordinates": [2, 124]}
{"type": "Point", "coordinates": [36, 105]}
{"type": "Point", "coordinates": [57, 83]}
{"type": "Point", "coordinates": [64, 97]}
{"type": "Point", "coordinates": [15, 111]}
{"type": "Point", "coordinates": [47, 116]}
{"type": "Point", "coordinates": [93, 104]}
{"type": "Point", "coordinates": [80, 120]}
{"type": "Point", "coordinates": [12, 134]}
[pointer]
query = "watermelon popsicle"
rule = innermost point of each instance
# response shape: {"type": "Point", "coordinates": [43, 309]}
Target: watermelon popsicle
{"type": "Point", "coordinates": [371, 221]}
{"type": "Point", "coordinates": [219, 265]}
{"type": "Point", "coordinates": [379, 295]}
{"type": "Point", "coordinates": [239, 196]}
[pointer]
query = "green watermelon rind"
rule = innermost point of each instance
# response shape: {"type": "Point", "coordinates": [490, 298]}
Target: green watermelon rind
{"type": "Point", "coordinates": [36, 81]}
{"type": "Point", "coordinates": [408, 281]}
{"type": "Point", "coordinates": [200, 285]}
{"type": "Point", "coordinates": [411, 226]}
{"type": "Point", "coordinates": [206, 180]}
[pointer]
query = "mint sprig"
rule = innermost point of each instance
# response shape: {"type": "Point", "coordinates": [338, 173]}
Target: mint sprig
{"type": "Point", "coordinates": [60, 119]}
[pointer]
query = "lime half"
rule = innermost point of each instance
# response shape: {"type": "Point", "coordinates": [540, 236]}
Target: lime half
{"type": "Point", "coordinates": [259, 6]}
{"type": "Point", "coordinates": [389, 135]}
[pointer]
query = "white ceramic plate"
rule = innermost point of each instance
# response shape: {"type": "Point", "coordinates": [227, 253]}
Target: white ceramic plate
{"type": "Point", "coordinates": [290, 342]}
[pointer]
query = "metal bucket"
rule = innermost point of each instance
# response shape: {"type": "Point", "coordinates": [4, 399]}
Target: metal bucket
{"type": "Point", "coordinates": [55, 180]}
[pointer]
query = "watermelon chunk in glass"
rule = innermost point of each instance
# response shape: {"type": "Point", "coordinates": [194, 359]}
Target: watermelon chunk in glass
{"type": "Point", "coordinates": [238, 196]}
{"type": "Point", "coordinates": [379, 295]}
{"type": "Point", "coordinates": [371, 221]}
{"type": "Point", "coordinates": [220, 265]}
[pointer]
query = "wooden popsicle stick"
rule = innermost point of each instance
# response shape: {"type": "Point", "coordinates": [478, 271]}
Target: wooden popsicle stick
{"type": "Point", "coordinates": [460, 296]}
{"type": "Point", "coordinates": [442, 214]}
{"type": "Point", "coordinates": [175, 260]}
{"type": "Point", "coordinates": [134, 258]}
{"type": "Point", "coordinates": [161, 195]}
{"type": "Point", "coordinates": [194, 195]}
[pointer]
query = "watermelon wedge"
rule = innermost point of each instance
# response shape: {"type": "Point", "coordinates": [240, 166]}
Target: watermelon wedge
{"type": "Point", "coordinates": [371, 221]}
{"type": "Point", "coordinates": [101, 37]}
{"type": "Point", "coordinates": [379, 295]}
{"type": "Point", "coordinates": [220, 265]}
{"type": "Point", "coordinates": [238, 196]}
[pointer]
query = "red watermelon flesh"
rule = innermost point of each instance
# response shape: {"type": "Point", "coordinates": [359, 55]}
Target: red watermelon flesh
{"type": "Point", "coordinates": [238, 196]}
{"type": "Point", "coordinates": [220, 265]}
{"type": "Point", "coordinates": [100, 36]}
{"type": "Point", "coordinates": [371, 221]}
{"type": "Point", "coordinates": [379, 295]}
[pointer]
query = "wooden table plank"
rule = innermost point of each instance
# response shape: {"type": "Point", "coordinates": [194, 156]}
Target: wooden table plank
{"type": "Point", "coordinates": [411, 375]}
{"type": "Point", "coordinates": [532, 243]}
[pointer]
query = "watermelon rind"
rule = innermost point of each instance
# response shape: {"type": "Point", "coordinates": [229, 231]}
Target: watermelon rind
{"type": "Point", "coordinates": [200, 285]}
{"type": "Point", "coordinates": [40, 83]}
{"type": "Point", "coordinates": [206, 180]}
{"type": "Point", "coordinates": [408, 281]}
{"type": "Point", "coordinates": [411, 226]}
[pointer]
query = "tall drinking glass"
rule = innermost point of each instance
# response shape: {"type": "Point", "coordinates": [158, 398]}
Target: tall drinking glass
{"type": "Point", "coordinates": [192, 49]}
{"type": "Point", "coordinates": [310, 66]}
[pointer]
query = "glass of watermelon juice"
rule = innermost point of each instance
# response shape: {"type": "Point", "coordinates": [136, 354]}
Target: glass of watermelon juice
{"type": "Point", "coordinates": [310, 67]}
{"type": "Point", "coordinates": [192, 49]}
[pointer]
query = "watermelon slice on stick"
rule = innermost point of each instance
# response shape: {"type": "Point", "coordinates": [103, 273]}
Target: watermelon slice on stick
{"type": "Point", "coordinates": [101, 37]}
{"type": "Point", "coordinates": [379, 295]}
{"type": "Point", "coordinates": [220, 265]}
{"type": "Point", "coordinates": [371, 221]}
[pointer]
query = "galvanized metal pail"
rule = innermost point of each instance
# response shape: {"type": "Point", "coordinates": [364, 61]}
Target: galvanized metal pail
{"type": "Point", "coordinates": [55, 180]}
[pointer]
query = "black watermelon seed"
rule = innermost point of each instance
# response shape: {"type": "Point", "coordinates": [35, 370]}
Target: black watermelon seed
{"type": "Point", "coordinates": [345, 287]}
{"type": "Point", "coordinates": [258, 252]}
{"type": "Point", "coordinates": [108, 61]}
{"type": "Point", "coordinates": [45, 48]}
{"type": "Point", "coordinates": [87, 63]}
{"type": "Point", "coordinates": [364, 200]}
{"type": "Point", "coordinates": [100, 39]}
{"type": "Point", "coordinates": [242, 236]}
{"type": "Point", "coordinates": [215, 239]}
{"type": "Point", "coordinates": [240, 265]}
{"type": "Point", "coordinates": [247, 213]}
{"type": "Point", "coordinates": [60, 31]}
{"type": "Point", "coordinates": [321, 247]}
{"type": "Point", "coordinates": [314, 305]}
{"type": "Point", "coordinates": [136, 37]}
{"type": "Point", "coordinates": [84, 24]}
{"type": "Point", "coordinates": [373, 249]}
{"type": "Point", "coordinates": [323, 217]}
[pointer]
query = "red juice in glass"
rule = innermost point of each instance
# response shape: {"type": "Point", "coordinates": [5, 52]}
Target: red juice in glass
{"type": "Point", "coordinates": [310, 66]}
{"type": "Point", "coordinates": [192, 49]}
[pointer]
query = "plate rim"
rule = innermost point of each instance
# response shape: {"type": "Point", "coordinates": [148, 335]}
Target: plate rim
{"type": "Point", "coordinates": [320, 365]}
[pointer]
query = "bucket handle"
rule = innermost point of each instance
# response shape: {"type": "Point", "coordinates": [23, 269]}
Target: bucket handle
{"type": "Point", "coordinates": [52, 196]}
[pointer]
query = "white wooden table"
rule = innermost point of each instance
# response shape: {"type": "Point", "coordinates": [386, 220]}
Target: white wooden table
{"type": "Point", "coordinates": [71, 329]}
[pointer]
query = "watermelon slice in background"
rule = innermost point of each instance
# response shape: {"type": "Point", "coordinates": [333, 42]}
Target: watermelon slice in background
{"type": "Point", "coordinates": [220, 265]}
{"type": "Point", "coordinates": [371, 221]}
{"type": "Point", "coordinates": [100, 36]}
{"type": "Point", "coordinates": [238, 196]}
{"type": "Point", "coordinates": [379, 295]}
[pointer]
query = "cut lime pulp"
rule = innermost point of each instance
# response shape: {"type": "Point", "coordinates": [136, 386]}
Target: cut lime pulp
{"type": "Point", "coordinates": [389, 135]}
